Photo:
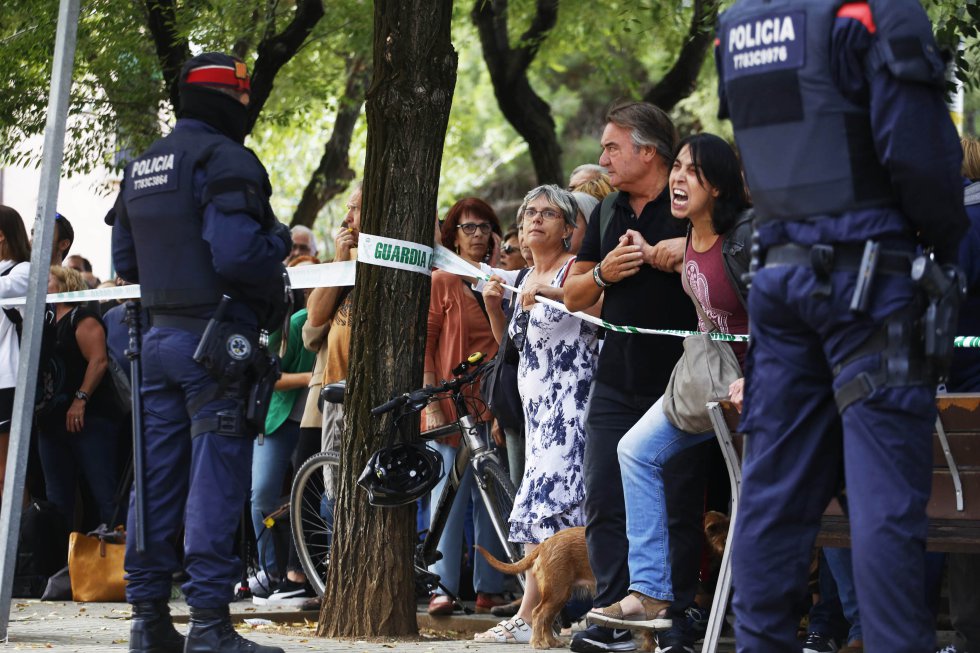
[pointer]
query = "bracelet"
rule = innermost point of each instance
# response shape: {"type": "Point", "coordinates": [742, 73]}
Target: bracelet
{"type": "Point", "coordinates": [597, 277]}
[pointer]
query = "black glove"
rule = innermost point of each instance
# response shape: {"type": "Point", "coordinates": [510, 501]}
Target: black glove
{"type": "Point", "coordinates": [281, 231]}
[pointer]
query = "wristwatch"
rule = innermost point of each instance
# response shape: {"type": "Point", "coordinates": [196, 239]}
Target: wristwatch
{"type": "Point", "coordinates": [81, 394]}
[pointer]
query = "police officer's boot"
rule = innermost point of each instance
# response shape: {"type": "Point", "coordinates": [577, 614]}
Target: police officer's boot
{"type": "Point", "coordinates": [211, 632]}
{"type": "Point", "coordinates": [152, 631]}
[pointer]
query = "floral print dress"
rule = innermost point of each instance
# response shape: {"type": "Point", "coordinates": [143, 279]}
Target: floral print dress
{"type": "Point", "coordinates": [558, 354]}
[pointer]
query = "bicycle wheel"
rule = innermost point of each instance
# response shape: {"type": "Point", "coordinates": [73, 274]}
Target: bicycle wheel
{"type": "Point", "coordinates": [499, 498]}
{"type": "Point", "coordinates": [311, 516]}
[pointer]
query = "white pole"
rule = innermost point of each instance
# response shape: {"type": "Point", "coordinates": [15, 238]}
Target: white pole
{"type": "Point", "coordinates": [23, 412]}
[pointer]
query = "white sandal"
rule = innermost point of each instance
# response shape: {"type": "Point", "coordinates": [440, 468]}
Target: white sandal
{"type": "Point", "coordinates": [512, 631]}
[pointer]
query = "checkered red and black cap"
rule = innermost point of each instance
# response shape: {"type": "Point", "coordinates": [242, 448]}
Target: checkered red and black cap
{"type": "Point", "coordinates": [216, 69]}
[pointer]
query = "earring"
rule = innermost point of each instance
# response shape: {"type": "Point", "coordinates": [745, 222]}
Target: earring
{"type": "Point", "coordinates": [567, 242]}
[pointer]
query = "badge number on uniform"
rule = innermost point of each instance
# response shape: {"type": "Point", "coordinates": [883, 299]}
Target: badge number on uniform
{"type": "Point", "coordinates": [764, 44]}
{"type": "Point", "coordinates": [154, 173]}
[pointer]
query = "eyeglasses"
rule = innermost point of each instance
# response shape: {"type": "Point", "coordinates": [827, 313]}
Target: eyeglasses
{"type": "Point", "coordinates": [469, 228]}
{"type": "Point", "coordinates": [547, 214]}
{"type": "Point", "coordinates": [508, 249]}
{"type": "Point", "coordinates": [522, 319]}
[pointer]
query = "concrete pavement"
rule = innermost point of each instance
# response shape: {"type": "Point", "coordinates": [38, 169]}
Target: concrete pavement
{"type": "Point", "coordinates": [65, 626]}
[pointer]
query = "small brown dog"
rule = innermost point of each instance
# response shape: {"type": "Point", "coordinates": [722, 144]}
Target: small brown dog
{"type": "Point", "coordinates": [716, 526]}
{"type": "Point", "coordinates": [560, 565]}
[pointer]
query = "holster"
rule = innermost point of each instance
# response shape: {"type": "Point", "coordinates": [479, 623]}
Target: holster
{"type": "Point", "coordinates": [237, 357]}
{"type": "Point", "coordinates": [265, 371]}
{"type": "Point", "coordinates": [943, 288]}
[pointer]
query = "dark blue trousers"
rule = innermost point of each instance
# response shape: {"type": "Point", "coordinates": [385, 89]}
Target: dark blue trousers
{"type": "Point", "coordinates": [202, 483]}
{"type": "Point", "coordinates": [796, 440]}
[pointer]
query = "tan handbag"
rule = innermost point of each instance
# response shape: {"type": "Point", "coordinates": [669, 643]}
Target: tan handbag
{"type": "Point", "coordinates": [705, 370]}
{"type": "Point", "coordinates": [95, 565]}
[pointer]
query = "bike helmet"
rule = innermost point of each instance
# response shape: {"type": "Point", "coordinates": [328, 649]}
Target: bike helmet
{"type": "Point", "coordinates": [400, 474]}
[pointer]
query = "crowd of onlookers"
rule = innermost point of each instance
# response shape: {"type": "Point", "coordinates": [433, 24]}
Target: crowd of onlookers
{"type": "Point", "coordinates": [656, 237]}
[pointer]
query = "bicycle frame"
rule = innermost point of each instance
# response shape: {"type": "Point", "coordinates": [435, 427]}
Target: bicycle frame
{"type": "Point", "coordinates": [472, 452]}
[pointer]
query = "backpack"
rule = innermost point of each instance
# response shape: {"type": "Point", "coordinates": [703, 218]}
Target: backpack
{"type": "Point", "coordinates": [41, 550]}
{"type": "Point", "coordinates": [606, 210]}
{"type": "Point", "coordinates": [12, 313]}
{"type": "Point", "coordinates": [122, 388]}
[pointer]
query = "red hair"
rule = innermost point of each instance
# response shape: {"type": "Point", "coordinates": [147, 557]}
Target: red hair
{"type": "Point", "coordinates": [475, 207]}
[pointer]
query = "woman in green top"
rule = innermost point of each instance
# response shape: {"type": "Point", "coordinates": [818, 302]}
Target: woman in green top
{"type": "Point", "coordinates": [271, 458]}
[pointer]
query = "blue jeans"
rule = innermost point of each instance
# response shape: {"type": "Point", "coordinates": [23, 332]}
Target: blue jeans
{"type": "Point", "coordinates": [90, 453]}
{"type": "Point", "coordinates": [485, 578]}
{"type": "Point", "coordinates": [839, 563]}
{"type": "Point", "coordinates": [643, 452]}
{"type": "Point", "coordinates": [270, 460]}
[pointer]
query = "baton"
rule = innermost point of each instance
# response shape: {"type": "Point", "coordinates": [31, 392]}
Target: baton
{"type": "Point", "coordinates": [136, 378]}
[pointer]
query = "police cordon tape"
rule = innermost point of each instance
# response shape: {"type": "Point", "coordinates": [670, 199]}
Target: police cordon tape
{"type": "Point", "coordinates": [403, 255]}
{"type": "Point", "coordinates": [450, 262]}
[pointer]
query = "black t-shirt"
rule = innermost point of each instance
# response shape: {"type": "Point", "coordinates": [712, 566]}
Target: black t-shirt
{"type": "Point", "coordinates": [74, 364]}
{"type": "Point", "coordinates": [640, 363]}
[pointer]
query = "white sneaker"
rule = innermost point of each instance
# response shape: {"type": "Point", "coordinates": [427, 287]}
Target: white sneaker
{"type": "Point", "coordinates": [288, 593]}
{"type": "Point", "coordinates": [262, 584]}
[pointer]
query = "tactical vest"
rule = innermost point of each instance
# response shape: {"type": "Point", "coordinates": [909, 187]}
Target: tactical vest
{"type": "Point", "coordinates": [176, 271]}
{"type": "Point", "coordinates": [807, 150]}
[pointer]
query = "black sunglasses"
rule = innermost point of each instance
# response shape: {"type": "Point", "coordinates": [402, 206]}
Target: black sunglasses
{"type": "Point", "coordinates": [522, 319]}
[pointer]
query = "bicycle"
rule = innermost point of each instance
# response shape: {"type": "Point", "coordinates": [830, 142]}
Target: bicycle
{"type": "Point", "coordinates": [312, 529]}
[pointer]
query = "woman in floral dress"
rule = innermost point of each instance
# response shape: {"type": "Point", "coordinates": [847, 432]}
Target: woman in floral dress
{"type": "Point", "coordinates": [557, 353]}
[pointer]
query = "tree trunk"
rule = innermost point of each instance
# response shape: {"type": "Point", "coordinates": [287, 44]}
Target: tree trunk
{"type": "Point", "coordinates": [524, 109]}
{"type": "Point", "coordinates": [682, 78]}
{"type": "Point", "coordinates": [172, 49]}
{"type": "Point", "coordinates": [334, 173]}
{"type": "Point", "coordinates": [370, 586]}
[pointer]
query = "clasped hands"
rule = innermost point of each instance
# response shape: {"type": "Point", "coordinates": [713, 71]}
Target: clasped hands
{"type": "Point", "coordinates": [633, 251]}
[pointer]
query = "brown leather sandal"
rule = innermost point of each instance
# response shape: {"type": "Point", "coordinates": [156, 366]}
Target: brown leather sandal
{"type": "Point", "coordinates": [653, 617]}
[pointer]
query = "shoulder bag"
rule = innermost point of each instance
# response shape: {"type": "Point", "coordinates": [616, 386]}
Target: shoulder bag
{"type": "Point", "coordinates": [705, 370]}
{"type": "Point", "coordinates": [499, 387]}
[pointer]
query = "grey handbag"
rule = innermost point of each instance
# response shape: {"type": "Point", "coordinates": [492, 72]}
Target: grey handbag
{"type": "Point", "coordinates": [705, 370]}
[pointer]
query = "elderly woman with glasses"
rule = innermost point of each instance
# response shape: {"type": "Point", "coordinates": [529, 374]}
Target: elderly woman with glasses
{"type": "Point", "coordinates": [558, 353]}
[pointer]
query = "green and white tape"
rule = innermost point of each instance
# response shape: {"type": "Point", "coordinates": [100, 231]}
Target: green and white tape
{"type": "Point", "coordinates": [394, 253]}
{"type": "Point", "coordinates": [457, 265]}
{"type": "Point", "coordinates": [403, 255]}
{"type": "Point", "coordinates": [98, 294]}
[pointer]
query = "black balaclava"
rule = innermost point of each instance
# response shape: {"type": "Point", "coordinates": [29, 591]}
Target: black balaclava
{"type": "Point", "coordinates": [201, 99]}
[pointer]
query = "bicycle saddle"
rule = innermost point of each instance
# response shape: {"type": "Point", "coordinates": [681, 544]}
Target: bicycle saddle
{"type": "Point", "coordinates": [400, 474]}
{"type": "Point", "coordinates": [332, 393]}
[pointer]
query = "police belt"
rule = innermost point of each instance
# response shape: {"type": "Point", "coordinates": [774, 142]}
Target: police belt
{"type": "Point", "coordinates": [195, 325]}
{"type": "Point", "coordinates": [845, 257]}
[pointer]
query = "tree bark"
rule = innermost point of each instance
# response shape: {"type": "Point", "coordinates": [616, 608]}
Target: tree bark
{"type": "Point", "coordinates": [529, 114]}
{"type": "Point", "coordinates": [172, 48]}
{"type": "Point", "coordinates": [276, 51]}
{"type": "Point", "coordinates": [333, 174]}
{"type": "Point", "coordinates": [370, 586]}
{"type": "Point", "coordinates": [682, 78]}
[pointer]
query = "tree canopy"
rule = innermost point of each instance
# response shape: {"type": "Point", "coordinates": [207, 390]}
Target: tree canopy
{"type": "Point", "coordinates": [535, 78]}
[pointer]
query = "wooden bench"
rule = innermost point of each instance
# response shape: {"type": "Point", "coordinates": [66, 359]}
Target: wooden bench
{"type": "Point", "coordinates": [953, 509]}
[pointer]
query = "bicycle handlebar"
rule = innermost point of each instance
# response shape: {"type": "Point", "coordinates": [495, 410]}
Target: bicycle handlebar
{"type": "Point", "coordinates": [424, 395]}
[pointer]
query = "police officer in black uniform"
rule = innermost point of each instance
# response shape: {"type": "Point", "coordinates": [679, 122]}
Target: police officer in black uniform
{"type": "Point", "coordinates": [853, 163]}
{"type": "Point", "coordinates": [193, 226]}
